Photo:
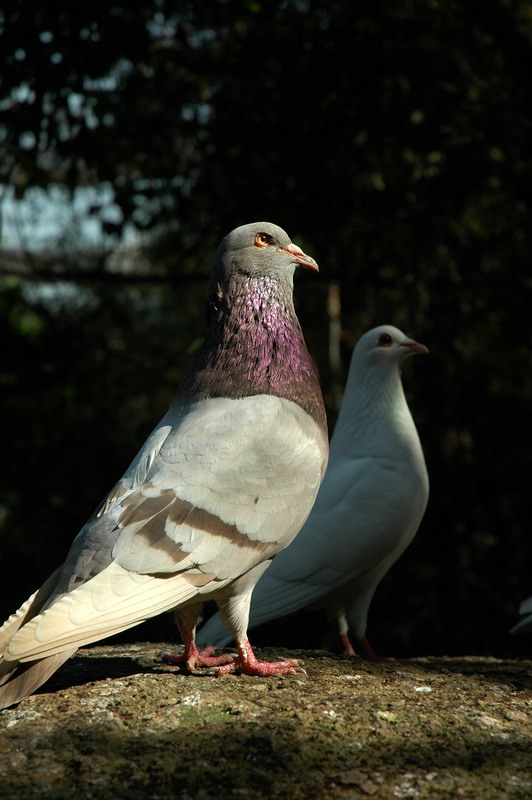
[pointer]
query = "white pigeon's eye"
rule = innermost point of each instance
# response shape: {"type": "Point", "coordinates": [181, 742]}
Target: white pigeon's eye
{"type": "Point", "coordinates": [263, 239]}
{"type": "Point", "coordinates": [385, 340]}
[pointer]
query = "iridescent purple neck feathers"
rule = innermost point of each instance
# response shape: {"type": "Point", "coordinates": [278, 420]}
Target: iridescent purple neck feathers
{"type": "Point", "coordinates": [254, 345]}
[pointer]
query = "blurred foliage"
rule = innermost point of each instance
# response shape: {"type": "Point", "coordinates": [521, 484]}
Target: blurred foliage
{"type": "Point", "coordinates": [391, 140]}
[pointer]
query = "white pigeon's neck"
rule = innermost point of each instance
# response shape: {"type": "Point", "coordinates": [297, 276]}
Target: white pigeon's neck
{"type": "Point", "coordinates": [376, 416]}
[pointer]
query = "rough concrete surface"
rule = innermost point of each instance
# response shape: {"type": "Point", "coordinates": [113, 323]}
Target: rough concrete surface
{"type": "Point", "coordinates": [115, 722]}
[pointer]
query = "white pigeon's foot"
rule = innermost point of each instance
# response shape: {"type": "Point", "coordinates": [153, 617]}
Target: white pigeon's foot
{"type": "Point", "coordinates": [348, 650]}
{"type": "Point", "coordinates": [366, 651]}
{"type": "Point", "coordinates": [246, 663]}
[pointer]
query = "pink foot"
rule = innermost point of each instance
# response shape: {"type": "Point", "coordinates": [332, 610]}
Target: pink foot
{"type": "Point", "coordinates": [246, 663]}
{"type": "Point", "coordinates": [348, 650]}
{"type": "Point", "coordinates": [366, 651]}
{"type": "Point", "coordinates": [370, 655]}
{"type": "Point", "coordinates": [193, 658]}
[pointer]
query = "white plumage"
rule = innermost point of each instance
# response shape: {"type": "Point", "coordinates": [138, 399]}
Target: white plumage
{"type": "Point", "coordinates": [369, 506]}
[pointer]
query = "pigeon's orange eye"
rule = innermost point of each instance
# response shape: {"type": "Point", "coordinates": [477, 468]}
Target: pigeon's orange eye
{"type": "Point", "coordinates": [385, 340]}
{"type": "Point", "coordinates": [263, 239]}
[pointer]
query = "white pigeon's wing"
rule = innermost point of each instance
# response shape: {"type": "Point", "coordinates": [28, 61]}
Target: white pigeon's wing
{"type": "Point", "coordinates": [230, 484]}
{"type": "Point", "coordinates": [348, 534]}
{"type": "Point", "coordinates": [347, 537]}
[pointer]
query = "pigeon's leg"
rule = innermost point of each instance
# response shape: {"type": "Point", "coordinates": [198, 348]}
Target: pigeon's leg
{"type": "Point", "coordinates": [348, 650]}
{"type": "Point", "coordinates": [234, 610]}
{"type": "Point", "coordinates": [247, 663]}
{"type": "Point", "coordinates": [367, 652]}
{"type": "Point", "coordinates": [365, 649]}
{"type": "Point", "coordinates": [187, 618]}
{"type": "Point", "coordinates": [343, 630]}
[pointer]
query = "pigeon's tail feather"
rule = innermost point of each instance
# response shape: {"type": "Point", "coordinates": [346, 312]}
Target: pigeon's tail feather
{"type": "Point", "coordinates": [27, 611]}
{"type": "Point", "coordinates": [109, 603]}
{"type": "Point", "coordinates": [526, 606]}
{"type": "Point", "coordinates": [21, 680]}
{"type": "Point", "coordinates": [526, 624]}
{"type": "Point", "coordinates": [38, 643]}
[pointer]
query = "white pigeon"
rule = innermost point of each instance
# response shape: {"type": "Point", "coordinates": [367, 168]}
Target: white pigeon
{"type": "Point", "coordinates": [368, 509]}
{"type": "Point", "coordinates": [223, 483]}
{"type": "Point", "coordinates": [525, 625]}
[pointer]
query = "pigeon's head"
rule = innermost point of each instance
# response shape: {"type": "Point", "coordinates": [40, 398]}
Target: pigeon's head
{"type": "Point", "coordinates": [259, 249]}
{"type": "Point", "coordinates": [387, 345]}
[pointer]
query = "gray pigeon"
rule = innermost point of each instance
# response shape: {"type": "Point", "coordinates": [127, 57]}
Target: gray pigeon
{"type": "Point", "coordinates": [525, 626]}
{"type": "Point", "coordinates": [369, 506]}
{"type": "Point", "coordinates": [223, 483]}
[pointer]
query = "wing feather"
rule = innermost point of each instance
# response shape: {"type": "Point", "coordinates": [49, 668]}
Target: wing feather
{"type": "Point", "coordinates": [109, 603]}
{"type": "Point", "coordinates": [27, 611]}
{"type": "Point", "coordinates": [204, 496]}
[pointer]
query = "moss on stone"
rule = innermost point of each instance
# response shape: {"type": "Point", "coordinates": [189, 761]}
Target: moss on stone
{"type": "Point", "coordinates": [116, 722]}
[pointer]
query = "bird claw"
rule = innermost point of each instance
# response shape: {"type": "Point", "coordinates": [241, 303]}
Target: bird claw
{"type": "Point", "coordinates": [262, 669]}
{"type": "Point", "coordinates": [191, 661]}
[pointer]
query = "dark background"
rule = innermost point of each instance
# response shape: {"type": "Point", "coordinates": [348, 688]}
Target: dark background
{"type": "Point", "coordinates": [392, 141]}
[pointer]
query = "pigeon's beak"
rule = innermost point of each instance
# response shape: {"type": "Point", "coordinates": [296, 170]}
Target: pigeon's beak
{"type": "Point", "coordinates": [415, 348]}
{"type": "Point", "coordinates": [299, 256]}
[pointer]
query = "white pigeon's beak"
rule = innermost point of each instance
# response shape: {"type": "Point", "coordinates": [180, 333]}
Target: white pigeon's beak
{"type": "Point", "coordinates": [415, 348]}
{"type": "Point", "coordinates": [299, 256]}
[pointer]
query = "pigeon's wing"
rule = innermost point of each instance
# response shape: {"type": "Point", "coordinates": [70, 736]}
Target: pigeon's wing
{"type": "Point", "coordinates": [90, 551]}
{"type": "Point", "coordinates": [526, 624]}
{"type": "Point", "coordinates": [28, 610]}
{"type": "Point", "coordinates": [247, 473]}
{"type": "Point", "coordinates": [18, 681]}
{"type": "Point", "coordinates": [347, 537]}
{"type": "Point", "coordinates": [231, 482]}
